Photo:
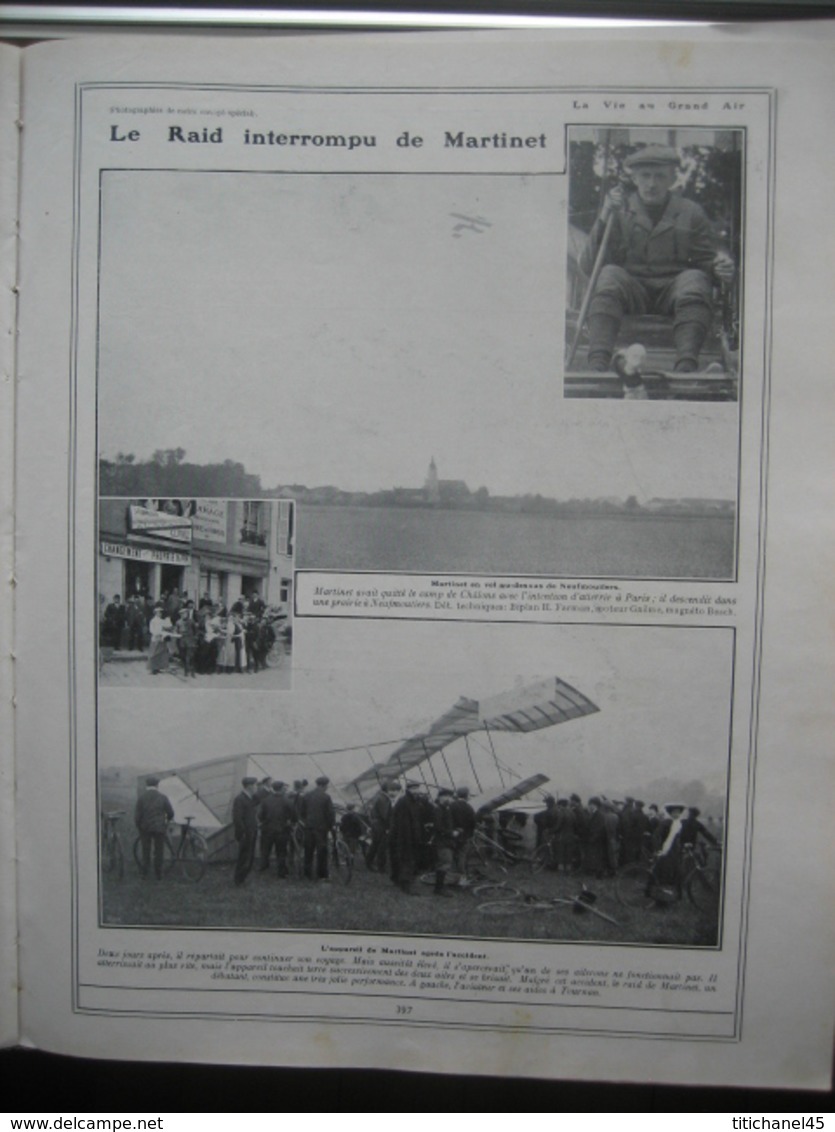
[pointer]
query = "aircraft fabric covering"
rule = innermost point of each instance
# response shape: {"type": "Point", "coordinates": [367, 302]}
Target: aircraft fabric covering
{"type": "Point", "coordinates": [527, 709]}
{"type": "Point", "coordinates": [513, 793]}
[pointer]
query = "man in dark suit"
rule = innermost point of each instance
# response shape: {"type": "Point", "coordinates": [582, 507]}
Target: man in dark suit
{"type": "Point", "coordinates": [463, 819]}
{"type": "Point", "coordinates": [135, 624]}
{"type": "Point", "coordinates": [114, 623]}
{"type": "Point", "coordinates": [152, 814]}
{"type": "Point", "coordinates": [407, 836]}
{"type": "Point", "coordinates": [443, 839]}
{"type": "Point", "coordinates": [319, 817]}
{"type": "Point", "coordinates": [245, 823]}
{"type": "Point", "coordinates": [275, 812]}
{"type": "Point", "coordinates": [379, 818]}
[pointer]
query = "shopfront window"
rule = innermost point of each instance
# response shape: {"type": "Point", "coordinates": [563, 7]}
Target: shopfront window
{"type": "Point", "coordinates": [213, 584]}
{"type": "Point", "coordinates": [253, 526]}
{"type": "Point", "coordinates": [284, 533]}
{"type": "Point", "coordinates": [137, 579]}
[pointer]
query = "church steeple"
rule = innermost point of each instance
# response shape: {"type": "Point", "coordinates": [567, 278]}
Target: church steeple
{"type": "Point", "coordinates": [431, 485]}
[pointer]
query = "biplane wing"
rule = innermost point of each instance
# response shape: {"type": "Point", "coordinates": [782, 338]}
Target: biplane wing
{"type": "Point", "coordinates": [513, 793]}
{"type": "Point", "coordinates": [530, 708]}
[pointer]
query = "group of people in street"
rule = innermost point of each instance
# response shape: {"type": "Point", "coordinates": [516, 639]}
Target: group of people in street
{"type": "Point", "coordinates": [207, 639]}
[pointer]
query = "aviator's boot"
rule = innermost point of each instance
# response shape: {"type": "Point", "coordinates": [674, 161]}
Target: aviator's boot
{"type": "Point", "coordinates": [603, 332]}
{"type": "Point", "coordinates": [688, 338]}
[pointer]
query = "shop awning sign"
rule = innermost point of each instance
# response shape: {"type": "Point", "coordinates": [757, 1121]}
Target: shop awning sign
{"type": "Point", "coordinates": [145, 554]}
{"type": "Point", "coordinates": [159, 524]}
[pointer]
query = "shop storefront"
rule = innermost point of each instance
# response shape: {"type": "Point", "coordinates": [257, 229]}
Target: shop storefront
{"type": "Point", "coordinates": [225, 549]}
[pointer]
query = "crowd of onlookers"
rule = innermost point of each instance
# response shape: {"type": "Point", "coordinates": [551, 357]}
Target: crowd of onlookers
{"type": "Point", "coordinates": [599, 837]}
{"type": "Point", "coordinates": [406, 832]}
{"type": "Point", "coordinates": [207, 638]}
{"type": "Point", "coordinates": [413, 830]}
{"type": "Point", "coordinates": [594, 839]}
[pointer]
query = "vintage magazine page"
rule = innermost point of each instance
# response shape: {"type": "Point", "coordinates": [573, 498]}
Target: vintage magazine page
{"type": "Point", "coordinates": [422, 541]}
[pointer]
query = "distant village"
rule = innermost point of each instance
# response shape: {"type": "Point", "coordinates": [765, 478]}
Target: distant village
{"type": "Point", "coordinates": [168, 474]}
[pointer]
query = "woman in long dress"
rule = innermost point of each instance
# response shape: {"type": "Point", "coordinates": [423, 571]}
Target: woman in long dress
{"type": "Point", "coordinates": [160, 629]}
{"type": "Point", "coordinates": [226, 650]}
{"type": "Point", "coordinates": [236, 636]}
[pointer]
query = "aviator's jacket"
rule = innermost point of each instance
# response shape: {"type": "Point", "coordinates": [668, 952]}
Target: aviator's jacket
{"type": "Point", "coordinates": [682, 238]}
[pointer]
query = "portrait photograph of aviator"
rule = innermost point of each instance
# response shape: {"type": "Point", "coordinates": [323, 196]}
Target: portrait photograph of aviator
{"type": "Point", "coordinates": [654, 263]}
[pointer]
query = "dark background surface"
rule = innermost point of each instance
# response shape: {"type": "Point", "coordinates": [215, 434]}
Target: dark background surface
{"type": "Point", "coordinates": [672, 9]}
{"type": "Point", "coordinates": [40, 1082]}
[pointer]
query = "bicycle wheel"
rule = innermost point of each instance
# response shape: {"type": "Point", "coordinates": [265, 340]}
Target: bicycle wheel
{"type": "Point", "coordinates": [487, 860]}
{"type": "Point", "coordinates": [191, 861]}
{"type": "Point", "coordinates": [494, 891]}
{"type": "Point", "coordinates": [137, 853]}
{"type": "Point", "coordinates": [704, 889]}
{"type": "Point", "coordinates": [635, 886]}
{"type": "Point", "coordinates": [275, 655]}
{"type": "Point", "coordinates": [297, 860]}
{"type": "Point", "coordinates": [541, 859]}
{"type": "Point", "coordinates": [343, 860]}
{"type": "Point", "coordinates": [168, 855]}
{"type": "Point", "coordinates": [502, 908]}
{"type": "Point", "coordinates": [113, 861]}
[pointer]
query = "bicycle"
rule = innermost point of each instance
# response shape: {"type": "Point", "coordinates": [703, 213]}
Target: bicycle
{"type": "Point", "coordinates": [342, 858]}
{"type": "Point", "coordinates": [295, 851]}
{"type": "Point", "coordinates": [491, 853]}
{"type": "Point", "coordinates": [639, 886]}
{"type": "Point", "coordinates": [278, 647]}
{"type": "Point", "coordinates": [112, 853]}
{"type": "Point", "coordinates": [528, 902]}
{"type": "Point", "coordinates": [187, 857]}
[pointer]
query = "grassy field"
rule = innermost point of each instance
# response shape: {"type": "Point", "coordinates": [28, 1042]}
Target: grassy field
{"type": "Point", "coordinates": [495, 542]}
{"type": "Point", "coordinates": [372, 904]}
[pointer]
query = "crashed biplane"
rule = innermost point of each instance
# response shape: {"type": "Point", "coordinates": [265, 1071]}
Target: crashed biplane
{"type": "Point", "coordinates": [463, 746]}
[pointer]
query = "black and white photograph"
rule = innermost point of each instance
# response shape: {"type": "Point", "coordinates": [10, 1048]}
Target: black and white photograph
{"type": "Point", "coordinates": [654, 263]}
{"type": "Point", "coordinates": [454, 404]}
{"type": "Point", "coordinates": [315, 376]}
{"type": "Point", "coordinates": [195, 593]}
{"type": "Point", "coordinates": [569, 784]}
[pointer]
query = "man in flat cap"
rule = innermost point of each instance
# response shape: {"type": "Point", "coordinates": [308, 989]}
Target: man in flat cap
{"type": "Point", "coordinates": [662, 257]}
{"type": "Point", "coordinates": [152, 814]}
{"type": "Point", "coordinates": [319, 817]}
{"type": "Point", "coordinates": [245, 823]}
